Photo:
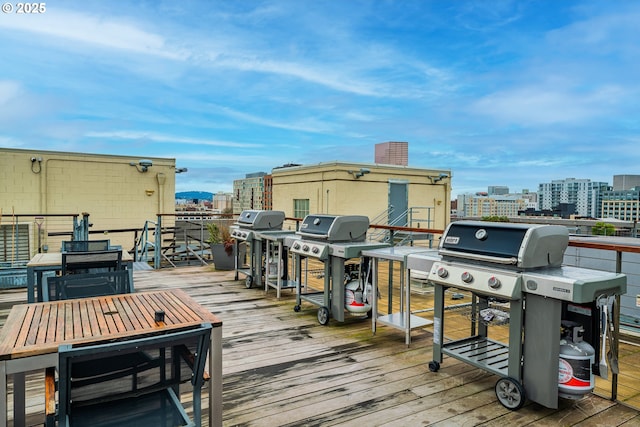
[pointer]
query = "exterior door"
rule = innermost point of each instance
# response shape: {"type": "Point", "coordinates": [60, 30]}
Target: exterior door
{"type": "Point", "coordinates": [398, 202]}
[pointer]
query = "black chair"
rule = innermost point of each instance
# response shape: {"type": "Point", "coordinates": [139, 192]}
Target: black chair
{"type": "Point", "coordinates": [92, 397]}
{"type": "Point", "coordinates": [86, 285]}
{"type": "Point", "coordinates": [91, 261]}
{"type": "Point", "coordinates": [85, 245]}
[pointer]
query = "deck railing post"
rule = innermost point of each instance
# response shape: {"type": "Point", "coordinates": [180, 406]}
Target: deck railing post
{"type": "Point", "coordinates": [157, 252]}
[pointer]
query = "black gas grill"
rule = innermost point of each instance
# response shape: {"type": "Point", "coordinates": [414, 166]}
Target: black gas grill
{"type": "Point", "coordinates": [246, 230]}
{"type": "Point", "coordinates": [515, 275]}
{"type": "Point", "coordinates": [331, 239]}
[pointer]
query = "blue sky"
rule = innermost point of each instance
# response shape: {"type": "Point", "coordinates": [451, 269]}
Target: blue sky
{"type": "Point", "coordinates": [501, 92]}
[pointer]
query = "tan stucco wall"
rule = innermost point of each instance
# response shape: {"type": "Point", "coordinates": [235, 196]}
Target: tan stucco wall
{"type": "Point", "coordinates": [332, 189]}
{"type": "Point", "coordinates": [113, 192]}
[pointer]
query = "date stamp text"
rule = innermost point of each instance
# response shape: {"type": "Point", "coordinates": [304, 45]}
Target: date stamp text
{"type": "Point", "coordinates": [24, 8]}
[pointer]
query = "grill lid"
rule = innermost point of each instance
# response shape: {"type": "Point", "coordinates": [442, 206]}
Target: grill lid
{"type": "Point", "coordinates": [332, 228]}
{"type": "Point", "coordinates": [519, 245]}
{"type": "Point", "coordinates": [261, 219]}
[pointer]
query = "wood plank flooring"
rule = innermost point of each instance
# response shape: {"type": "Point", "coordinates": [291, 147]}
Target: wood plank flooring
{"type": "Point", "coordinates": [282, 368]}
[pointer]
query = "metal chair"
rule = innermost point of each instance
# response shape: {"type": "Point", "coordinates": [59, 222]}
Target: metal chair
{"type": "Point", "coordinates": [85, 245]}
{"type": "Point", "coordinates": [95, 398]}
{"type": "Point", "coordinates": [86, 285]}
{"type": "Point", "coordinates": [91, 261]}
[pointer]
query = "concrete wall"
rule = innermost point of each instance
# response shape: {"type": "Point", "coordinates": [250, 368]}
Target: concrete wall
{"type": "Point", "coordinates": [114, 193]}
{"type": "Point", "coordinates": [333, 189]}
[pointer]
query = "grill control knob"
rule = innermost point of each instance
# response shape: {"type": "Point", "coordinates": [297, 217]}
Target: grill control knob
{"type": "Point", "coordinates": [467, 277]}
{"type": "Point", "coordinates": [494, 282]}
{"type": "Point", "coordinates": [442, 272]}
{"type": "Point", "coordinates": [296, 246]}
{"type": "Point", "coordinates": [315, 250]}
{"type": "Point", "coordinates": [305, 248]}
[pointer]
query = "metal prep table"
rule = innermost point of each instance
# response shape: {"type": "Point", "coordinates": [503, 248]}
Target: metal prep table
{"type": "Point", "coordinates": [276, 251]}
{"type": "Point", "coordinates": [404, 319]}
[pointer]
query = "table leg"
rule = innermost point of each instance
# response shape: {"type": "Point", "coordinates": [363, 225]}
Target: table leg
{"type": "Point", "coordinates": [4, 391]}
{"type": "Point", "coordinates": [215, 383]}
{"type": "Point", "coordinates": [18, 399]}
{"type": "Point", "coordinates": [31, 284]}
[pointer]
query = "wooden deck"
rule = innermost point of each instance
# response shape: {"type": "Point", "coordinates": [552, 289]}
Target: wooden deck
{"type": "Point", "coordinates": [283, 368]}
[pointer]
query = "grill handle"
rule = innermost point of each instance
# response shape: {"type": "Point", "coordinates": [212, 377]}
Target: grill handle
{"type": "Point", "coordinates": [478, 257]}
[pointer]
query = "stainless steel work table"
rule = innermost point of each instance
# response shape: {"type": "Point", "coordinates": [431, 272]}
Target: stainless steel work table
{"type": "Point", "coordinates": [403, 319]}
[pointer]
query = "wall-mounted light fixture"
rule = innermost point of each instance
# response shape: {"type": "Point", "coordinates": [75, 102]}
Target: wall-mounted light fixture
{"type": "Point", "coordinates": [143, 165]}
{"type": "Point", "coordinates": [361, 172]}
{"type": "Point", "coordinates": [181, 170]}
{"type": "Point", "coordinates": [436, 179]}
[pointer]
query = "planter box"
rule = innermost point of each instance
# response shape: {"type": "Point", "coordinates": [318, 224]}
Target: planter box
{"type": "Point", "coordinates": [222, 260]}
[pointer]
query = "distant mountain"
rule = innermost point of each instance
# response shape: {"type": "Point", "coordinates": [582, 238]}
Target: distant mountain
{"type": "Point", "coordinates": [191, 195]}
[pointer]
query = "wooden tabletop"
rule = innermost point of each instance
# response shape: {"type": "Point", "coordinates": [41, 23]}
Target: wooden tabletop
{"type": "Point", "coordinates": [35, 329]}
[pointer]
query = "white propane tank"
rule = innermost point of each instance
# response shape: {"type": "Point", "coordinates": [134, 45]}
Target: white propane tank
{"type": "Point", "coordinates": [353, 294]}
{"type": "Point", "coordinates": [575, 377]}
{"type": "Point", "coordinates": [271, 267]}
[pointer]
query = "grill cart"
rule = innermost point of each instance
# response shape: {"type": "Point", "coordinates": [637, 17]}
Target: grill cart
{"type": "Point", "coordinates": [515, 276]}
{"type": "Point", "coordinates": [245, 232]}
{"type": "Point", "coordinates": [333, 240]}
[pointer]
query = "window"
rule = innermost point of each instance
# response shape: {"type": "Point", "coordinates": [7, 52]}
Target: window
{"type": "Point", "coordinates": [300, 208]}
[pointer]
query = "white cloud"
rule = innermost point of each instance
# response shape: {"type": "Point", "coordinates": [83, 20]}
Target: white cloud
{"type": "Point", "coordinates": [167, 139]}
{"type": "Point", "coordinates": [540, 105]}
{"type": "Point", "coordinates": [82, 28]}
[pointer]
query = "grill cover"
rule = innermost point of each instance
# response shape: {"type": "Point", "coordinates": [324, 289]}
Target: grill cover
{"type": "Point", "coordinates": [261, 220]}
{"type": "Point", "coordinates": [520, 245]}
{"type": "Point", "coordinates": [331, 228]}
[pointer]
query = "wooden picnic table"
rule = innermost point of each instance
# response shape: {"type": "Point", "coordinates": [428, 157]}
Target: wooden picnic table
{"type": "Point", "coordinates": [52, 261]}
{"type": "Point", "coordinates": [32, 334]}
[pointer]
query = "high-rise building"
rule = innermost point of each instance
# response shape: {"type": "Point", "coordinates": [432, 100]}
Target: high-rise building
{"type": "Point", "coordinates": [497, 190]}
{"type": "Point", "coordinates": [584, 193]}
{"type": "Point", "coordinates": [249, 192]}
{"type": "Point", "coordinates": [625, 182]}
{"type": "Point", "coordinates": [392, 153]}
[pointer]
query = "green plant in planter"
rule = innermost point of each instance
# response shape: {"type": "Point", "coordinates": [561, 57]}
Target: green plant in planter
{"type": "Point", "coordinates": [220, 234]}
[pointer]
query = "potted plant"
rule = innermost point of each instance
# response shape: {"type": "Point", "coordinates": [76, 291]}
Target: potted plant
{"type": "Point", "coordinates": [222, 245]}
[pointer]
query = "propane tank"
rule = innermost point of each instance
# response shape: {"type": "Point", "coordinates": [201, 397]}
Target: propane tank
{"type": "Point", "coordinates": [353, 294]}
{"type": "Point", "coordinates": [575, 377]}
{"type": "Point", "coordinates": [271, 266]}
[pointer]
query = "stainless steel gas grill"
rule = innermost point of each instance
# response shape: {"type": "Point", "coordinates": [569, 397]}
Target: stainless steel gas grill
{"type": "Point", "coordinates": [244, 231]}
{"type": "Point", "coordinates": [332, 240]}
{"type": "Point", "coordinates": [514, 275]}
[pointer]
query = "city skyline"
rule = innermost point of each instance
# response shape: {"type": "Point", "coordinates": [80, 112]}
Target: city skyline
{"type": "Point", "coordinates": [500, 93]}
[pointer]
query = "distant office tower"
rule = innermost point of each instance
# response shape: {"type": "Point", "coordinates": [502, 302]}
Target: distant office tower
{"type": "Point", "coordinates": [392, 153]}
{"type": "Point", "coordinates": [625, 182]}
{"type": "Point", "coordinates": [498, 190]}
